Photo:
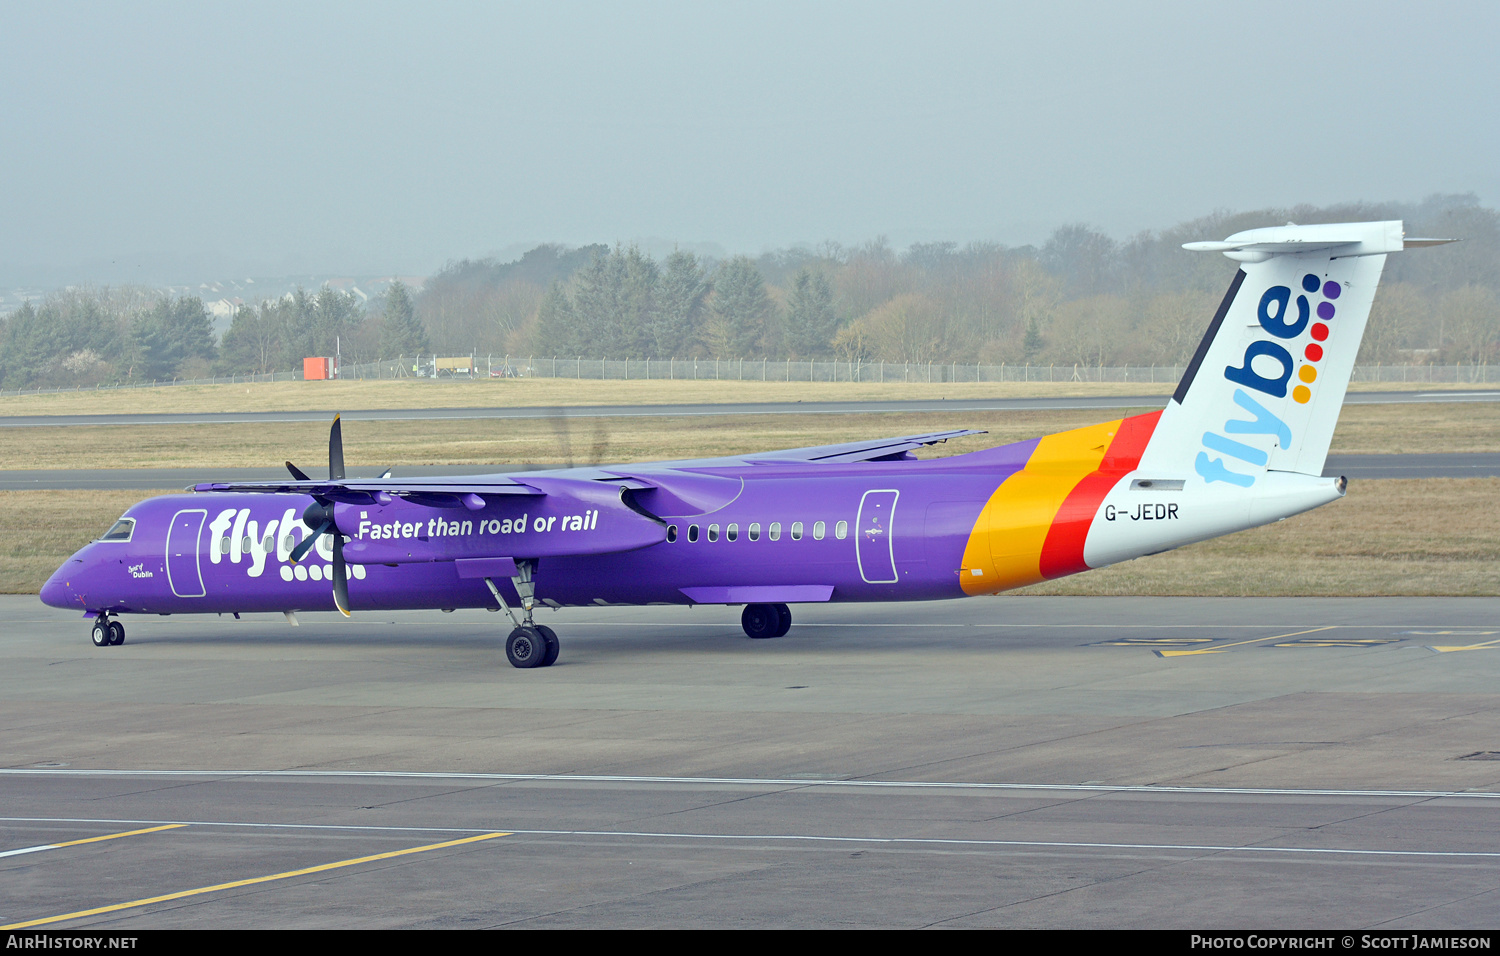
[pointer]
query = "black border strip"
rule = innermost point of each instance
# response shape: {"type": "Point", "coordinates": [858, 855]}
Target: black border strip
{"type": "Point", "coordinates": [1208, 338]}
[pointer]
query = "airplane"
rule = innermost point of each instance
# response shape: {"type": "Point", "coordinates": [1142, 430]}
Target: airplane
{"type": "Point", "coordinates": [1241, 443]}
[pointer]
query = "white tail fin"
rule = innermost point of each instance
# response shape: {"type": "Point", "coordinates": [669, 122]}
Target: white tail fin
{"type": "Point", "coordinates": [1264, 389]}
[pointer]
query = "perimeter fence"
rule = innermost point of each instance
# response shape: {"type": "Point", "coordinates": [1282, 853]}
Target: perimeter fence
{"type": "Point", "coordinates": [488, 366]}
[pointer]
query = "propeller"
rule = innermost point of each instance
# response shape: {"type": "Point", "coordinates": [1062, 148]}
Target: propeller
{"type": "Point", "coordinates": [319, 517]}
{"type": "Point", "coordinates": [561, 428]}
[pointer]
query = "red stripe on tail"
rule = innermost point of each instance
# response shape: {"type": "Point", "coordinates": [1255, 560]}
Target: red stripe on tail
{"type": "Point", "coordinates": [1062, 552]}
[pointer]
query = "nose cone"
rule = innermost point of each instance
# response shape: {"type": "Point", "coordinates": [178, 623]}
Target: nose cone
{"type": "Point", "coordinates": [58, 591]}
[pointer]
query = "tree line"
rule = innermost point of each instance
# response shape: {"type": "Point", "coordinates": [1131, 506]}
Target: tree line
{"type": "Point", "coordinates": [1080, 298]}
{"type": "Point", "coordinates": [131, 335]}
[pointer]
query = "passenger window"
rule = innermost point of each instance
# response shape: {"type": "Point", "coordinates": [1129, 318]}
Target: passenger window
{"type": "Point", "coordinates": [796, 531]}
{"type": "Point", "coordinates": [732, 533]}
{"type": "Point", "coordinates": [755, 531]}
{"type": "Point", "coordinates": [818, 529]}
{"type": "Point", "coordinates": [713, 532]}
{"type": "Point", "coordinates": [692, 534]}
{"type": "Point", "coordinates": [841, 530]}
{"type": "Point", "coordinates": [671, 533]}
{"type": "Point", "coordinates": [776, 531]}
{"type": "Point", "coordinates": [120, 530]}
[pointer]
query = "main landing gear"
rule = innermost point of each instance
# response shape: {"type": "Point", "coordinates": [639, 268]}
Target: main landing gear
{"type": "Point", "coordinates": [766, 620]}
{"type": "Point", "coordinates": [530, 644]}
{"type": "Point", "coordinates": [107, 633]}
{"type": "Point", "coordinates": [533, 645]}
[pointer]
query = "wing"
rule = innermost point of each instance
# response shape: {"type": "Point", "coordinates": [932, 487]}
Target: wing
{"type": "Point", "coordinates": [381, 490]}
{"type": "Point", "coordinates": [879, 449]}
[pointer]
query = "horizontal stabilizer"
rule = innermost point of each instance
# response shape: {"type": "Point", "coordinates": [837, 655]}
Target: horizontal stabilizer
{"type": "Point", "coordinates": [1338, 240]}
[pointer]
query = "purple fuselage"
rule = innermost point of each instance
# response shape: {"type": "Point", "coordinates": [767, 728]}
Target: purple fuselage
{"type": "Point", "coordinates": [732, 533]}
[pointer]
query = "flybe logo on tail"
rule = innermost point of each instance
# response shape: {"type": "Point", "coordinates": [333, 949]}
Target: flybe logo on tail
{"type": "Point", "coordinates": [1267, 368]}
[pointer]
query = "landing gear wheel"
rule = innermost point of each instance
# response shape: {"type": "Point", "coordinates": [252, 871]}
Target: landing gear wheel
{"type": "Point", "coordinates": [101, 634]}
{"type": "Point", "coordinates": [116, 633]}
{"type": "Point", "coordinates": [526, 647]}
{"type": "Point", "coordinates": [761, 621]}
{"type": "Point", "coordinates": [553, 645]}
{"type": "Point", "coordinates": [785, 614]}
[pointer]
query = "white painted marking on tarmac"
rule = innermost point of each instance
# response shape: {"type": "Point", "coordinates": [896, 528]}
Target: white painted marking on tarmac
{"type": "Point", "coordinates": [1489, 394]}
{"type": "Point", "coordinates": [29, 849]}
{"type": "Point", "coordinates": [1251, 849]}
{"type": "Point", "coordinates": [799, 782]}
{"type": "Point", "coordinates": [86, 840]}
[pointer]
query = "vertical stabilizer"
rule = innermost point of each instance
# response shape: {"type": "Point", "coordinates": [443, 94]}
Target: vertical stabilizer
{"type": "Point", "coordinates": [1264, 390]}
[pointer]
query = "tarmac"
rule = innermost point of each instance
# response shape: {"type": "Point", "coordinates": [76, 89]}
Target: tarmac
{"type": "Point", "coordinates": [991, 762]}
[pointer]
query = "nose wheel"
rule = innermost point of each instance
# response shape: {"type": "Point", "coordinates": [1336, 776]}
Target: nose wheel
{"type": "Point", "coordinates": [107, 633]}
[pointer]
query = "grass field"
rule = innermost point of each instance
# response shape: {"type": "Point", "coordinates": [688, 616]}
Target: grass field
{"type": "Point", "coordinates": [1433, 537]}
{"type": "Point", "coordinates": [529, 392]}
{"type": "Point", "coordinates": [1368, 429]}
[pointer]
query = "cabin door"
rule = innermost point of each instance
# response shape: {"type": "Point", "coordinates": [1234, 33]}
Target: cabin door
{"type": "Point", "coordinates": [873, 546]}
{"type": "Point", "coordinates": [183, 573]}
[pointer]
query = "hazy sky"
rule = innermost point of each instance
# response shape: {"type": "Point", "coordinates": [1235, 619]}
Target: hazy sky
{"type": "Point", "coordinates": [174, 142]}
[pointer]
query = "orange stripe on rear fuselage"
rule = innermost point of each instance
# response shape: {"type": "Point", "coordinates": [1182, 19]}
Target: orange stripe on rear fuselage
{"type": "Point", "coordinates": [1034, 525]}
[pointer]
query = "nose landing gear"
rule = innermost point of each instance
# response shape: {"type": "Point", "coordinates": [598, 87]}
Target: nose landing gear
{"type": "Point", "coordinates": [107, 633]}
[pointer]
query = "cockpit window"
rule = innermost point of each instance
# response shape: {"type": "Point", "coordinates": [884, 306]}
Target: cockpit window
{"type": "Point", "coordinates": [121, 531]}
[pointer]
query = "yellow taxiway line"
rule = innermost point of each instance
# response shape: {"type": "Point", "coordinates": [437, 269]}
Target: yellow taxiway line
{"type": "Point", "coordinates": [1221, 647]}
{"type": "Point", "coordinates": [97, 839]}
{"type": "Point", "coordinates": [1448, 648]}
{"type": "Point", "coordinates": [183, 894]}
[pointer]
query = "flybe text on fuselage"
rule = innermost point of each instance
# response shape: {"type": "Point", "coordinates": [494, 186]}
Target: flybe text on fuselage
{"type": "Point", "coordinates": [401, 533]}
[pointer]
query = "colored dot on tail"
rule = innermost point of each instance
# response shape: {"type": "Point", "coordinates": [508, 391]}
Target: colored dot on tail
{"type": "Point", "coordinates": [1310, 283]}
{"type": "Point", "coordinates": [1331, 289]}
{"type": "Point", "coordinates": [1314, 352]}
{"type": "Point", "coordinates": [1301, 394]}
{"type": "Point", "coordinates": [1325, 310]}
{"type": "Point", "coordinates": [1319, 331]}
{"type": "Point", "coordinates": [1307, 373]}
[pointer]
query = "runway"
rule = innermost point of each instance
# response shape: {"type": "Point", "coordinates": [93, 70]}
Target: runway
{"type": "Point", "coordinates": [1013, 761]}
{"type": "Point", "coordinates": [676, 411]}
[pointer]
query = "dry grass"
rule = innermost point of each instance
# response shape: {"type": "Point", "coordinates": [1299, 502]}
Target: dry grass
{"type": "Point", "coordinates": [1418, 427]}
{"type": "Point", "coordinates": [492, 442]}
{"type": "Point", "coordinates": [1369, 429]}
{"type": "Point", "coordinates": [530, 392]}
{"type": "Point", "coordinates": [503, 393]}
{"type": "Point", "coordinates": [1435, 537]}
{"type": "Point", "coordinates": [40, 529]}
